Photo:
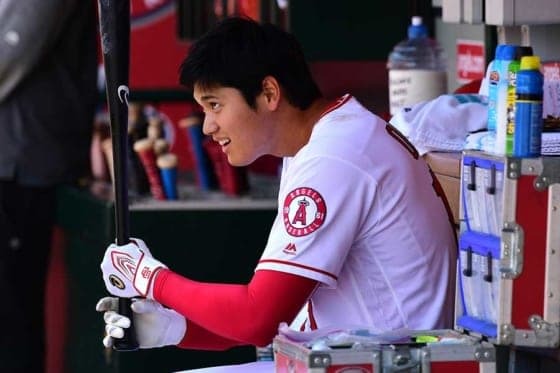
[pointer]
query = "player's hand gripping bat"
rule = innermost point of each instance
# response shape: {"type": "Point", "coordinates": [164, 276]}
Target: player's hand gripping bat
{"type": "Point", "coordinates": [114, 21]}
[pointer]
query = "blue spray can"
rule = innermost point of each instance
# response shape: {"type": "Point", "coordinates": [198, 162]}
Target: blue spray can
{"type": "Point", "coordinates": [510, 107]}
{"type": "Point", "coordinates": [528, 108]}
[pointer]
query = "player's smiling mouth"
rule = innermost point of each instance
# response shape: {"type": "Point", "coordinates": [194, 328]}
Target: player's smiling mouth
{"type": "Point", "coordinates": [223, 142]}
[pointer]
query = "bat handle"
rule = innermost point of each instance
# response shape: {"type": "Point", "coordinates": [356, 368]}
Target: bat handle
{"type": "Point", "coordinates": [128, 342]}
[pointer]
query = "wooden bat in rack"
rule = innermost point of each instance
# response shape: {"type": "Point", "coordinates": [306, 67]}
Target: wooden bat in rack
{"type": "Point", "coordinates": [114, 22]}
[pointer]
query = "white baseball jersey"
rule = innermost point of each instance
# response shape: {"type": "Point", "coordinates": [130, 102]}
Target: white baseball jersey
{"type": "Point", "coordinates": [358, 213]}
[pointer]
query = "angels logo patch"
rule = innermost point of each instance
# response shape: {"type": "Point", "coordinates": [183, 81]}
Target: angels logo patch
{"type": "Point", "coordinates": [304, 211]}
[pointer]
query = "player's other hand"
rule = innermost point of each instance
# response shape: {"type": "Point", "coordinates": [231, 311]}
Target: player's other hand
{"type": "Point", "coordinates": [155, 325]}
{"type": "Point", "coordinates": [129, 270]}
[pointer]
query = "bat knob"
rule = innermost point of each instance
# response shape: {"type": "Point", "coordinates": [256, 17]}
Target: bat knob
{"type": "Point", "coordinates": [124, 346]}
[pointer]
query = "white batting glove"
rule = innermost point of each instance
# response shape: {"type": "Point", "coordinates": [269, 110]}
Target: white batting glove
{"type": "Point", "coordinates": [155, 325]}
{"type": "Point", "coordinates": [129, 270]}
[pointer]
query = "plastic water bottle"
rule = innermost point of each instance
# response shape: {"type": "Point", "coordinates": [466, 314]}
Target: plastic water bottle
{"type": "Point", "coordinates": [528, 108]}
{"type": "Point", "coordinates": [417, 69]}
{"type": "Point", "coordinates": [484, 86]}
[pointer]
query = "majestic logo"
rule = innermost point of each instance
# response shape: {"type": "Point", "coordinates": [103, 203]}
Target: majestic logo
{"type": "Point", "coordinates": [116, 282]}
{"type": "Point", "coordinates": [304, 211]}
{"type": "Point", "coordinates": [290, 249]}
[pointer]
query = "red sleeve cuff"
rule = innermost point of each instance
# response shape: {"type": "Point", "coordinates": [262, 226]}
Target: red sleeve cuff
{"type": "Point", "coordinates": [159, 281]}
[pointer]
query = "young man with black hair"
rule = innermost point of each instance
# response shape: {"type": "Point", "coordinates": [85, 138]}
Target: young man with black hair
{"type": "Point", "coordinates": [361, 236]}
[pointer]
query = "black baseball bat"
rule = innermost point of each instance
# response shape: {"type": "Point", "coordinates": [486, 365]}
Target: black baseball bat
{"type": "Point", "coordinates": [114, 22]}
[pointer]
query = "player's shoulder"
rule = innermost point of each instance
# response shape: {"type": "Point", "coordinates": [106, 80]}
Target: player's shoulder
{"type": "Point", "coordinates": [344, 134]}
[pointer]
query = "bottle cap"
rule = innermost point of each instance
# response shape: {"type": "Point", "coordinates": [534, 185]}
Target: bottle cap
{"type": "Point", "coordinates": [417, 29]}
{"type": "Point", "coordinates": [507, 52]}
{"type": "Point", "coordinates": [530, 63]}
{"type": "Point", "coordinates": [499, 48]}
{"type": "Point", "coordinates": [523, 50]}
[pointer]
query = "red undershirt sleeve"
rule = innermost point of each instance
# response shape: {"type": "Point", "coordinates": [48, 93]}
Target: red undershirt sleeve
{"type": "Point", "coordinates": [220, 316]}
{"type": "Point", "coordinates": [198, 338]}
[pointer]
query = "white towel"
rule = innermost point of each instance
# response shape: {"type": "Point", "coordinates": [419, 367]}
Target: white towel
{"type": "Point", "coordinates": [442, 124]}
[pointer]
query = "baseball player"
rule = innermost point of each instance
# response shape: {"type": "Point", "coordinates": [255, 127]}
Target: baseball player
{"type": "Point", "coordinates": [361, 236]}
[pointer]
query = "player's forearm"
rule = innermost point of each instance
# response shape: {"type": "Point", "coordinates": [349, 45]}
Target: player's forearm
{"type": "Point", "coordinates": [198, 338]}
{"type": "Point", "coordinates": [245, 313]}
{"type": "Point", "coordinates": [224, 309]}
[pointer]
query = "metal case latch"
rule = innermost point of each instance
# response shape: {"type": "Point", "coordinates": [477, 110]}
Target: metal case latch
{"type": "Point", "coordinates": [512, 240]}
{"type": "Point", "coordinates": [402, 359]}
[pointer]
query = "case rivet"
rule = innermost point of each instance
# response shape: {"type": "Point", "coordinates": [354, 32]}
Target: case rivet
{"type": "Point", "coordinates": [525, 335]}
{"type": "Point", "coordinates": [399, 360]}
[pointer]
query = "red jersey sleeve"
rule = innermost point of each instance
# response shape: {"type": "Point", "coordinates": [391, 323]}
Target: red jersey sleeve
{"type": "Point", "coordinates": [226, 315]}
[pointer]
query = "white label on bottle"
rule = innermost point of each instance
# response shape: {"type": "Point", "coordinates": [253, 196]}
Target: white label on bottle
{"type": "Point", "coordinates": [408, 87]}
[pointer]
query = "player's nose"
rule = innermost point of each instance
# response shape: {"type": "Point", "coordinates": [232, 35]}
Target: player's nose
{"type": "Point", "coordinates": [209, 125]}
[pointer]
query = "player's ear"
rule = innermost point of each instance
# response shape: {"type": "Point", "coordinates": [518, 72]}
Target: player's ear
{"type": "Point", "coordinates": [271, 92]}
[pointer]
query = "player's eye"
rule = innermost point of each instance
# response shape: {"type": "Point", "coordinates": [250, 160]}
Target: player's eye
{"type": "Point", "coordinates": [215, 106]}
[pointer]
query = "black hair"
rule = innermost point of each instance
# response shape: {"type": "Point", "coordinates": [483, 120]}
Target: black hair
{"type": "Point", "coordinates": [240, 52]}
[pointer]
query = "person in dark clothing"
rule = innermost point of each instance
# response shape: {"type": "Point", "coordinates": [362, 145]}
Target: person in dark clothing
{"type": "Point", "coordinates": [48, 74]}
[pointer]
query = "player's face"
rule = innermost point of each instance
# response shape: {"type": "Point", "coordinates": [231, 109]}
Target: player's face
{"type": "Point", "coordinates": [240, 130]}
